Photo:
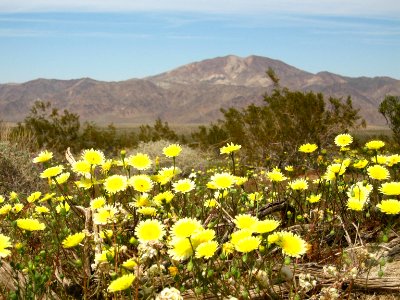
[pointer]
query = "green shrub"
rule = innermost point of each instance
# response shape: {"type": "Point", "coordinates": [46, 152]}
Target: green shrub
{"type": "Point", "coordinates": [288, 119]}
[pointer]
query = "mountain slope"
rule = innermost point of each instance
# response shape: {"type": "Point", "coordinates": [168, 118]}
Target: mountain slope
{"type": "Point", "coordinates": [193, 93]}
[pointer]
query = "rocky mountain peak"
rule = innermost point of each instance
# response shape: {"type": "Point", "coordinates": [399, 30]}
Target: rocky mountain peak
{"type": "Point", "coordinates": [193, 93]}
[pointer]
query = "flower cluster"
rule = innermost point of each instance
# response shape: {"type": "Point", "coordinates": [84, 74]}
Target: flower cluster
{"type": "Point", "coordinates": [142, 225]}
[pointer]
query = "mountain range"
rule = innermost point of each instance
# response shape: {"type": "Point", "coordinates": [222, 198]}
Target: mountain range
{"type": "Point", "coordinates": [190, 94]}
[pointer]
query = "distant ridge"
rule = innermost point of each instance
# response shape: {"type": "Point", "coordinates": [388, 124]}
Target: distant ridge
{"type": "Point", "coordinates": [190, 94]}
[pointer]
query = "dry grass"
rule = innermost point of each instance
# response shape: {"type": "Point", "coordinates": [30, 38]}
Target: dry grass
{"type": "Point", "coordinates": [17, 173]}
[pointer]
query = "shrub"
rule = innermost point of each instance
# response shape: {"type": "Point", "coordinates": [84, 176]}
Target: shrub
{"type": "Point", "coordinates": [390, 109]}
{"type": "Point", "coordinates": [275, 130]}
{"type": "Point", "coordinates": [17, 173]}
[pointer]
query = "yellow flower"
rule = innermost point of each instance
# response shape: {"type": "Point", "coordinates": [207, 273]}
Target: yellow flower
{"type": "Point", "coordinates": [343, 140]}
{"type": "Point", "coordinates": [106, 166]}
{"type": "Point", "coordinates": [104, 215]}
{"type": "Point", "coordinates": [392, 160]}
{"type": "Point", "coordinates": [141, 183]}
{"type": "Point", "coordinates": [34, 196]}
{"type": "Point", "coordinates": [48, 196]}
{"type": "Point", "coordinates": [390, 188]}
{"type": "Point", "coordinates": [97, 203]}
{"type": "Point", "coordinates": [379, 159]}
{"type": "Point", "coordinates": [165, 197]}
{"type": "Point", "coordinates": [115, 184]}
{"type": "Point", "coordinates": [63, 198]}
{"type": "Point", "coordinates": [308, 148]}
{"type": "Point", "coordinates": [256, 196]}
{"type": "Point", "coordinates": [355, 204]}
{"type": "Point", "coordinates": [139, 161]}
{"type": "Point", "coordinates": [185, 227]}
{"type": "Point", "coordinates": [298, 184]}
{"type": "Point", "coordinates": [172, 150]}
{"type": "Point", "coordinates": [360, 192]}
{"type": "Point", "coordinates": [149, 230]}
{"type": "Point", "coordinates": [52, 172]}
{"type": "Point", "coordinates": [43, 157]}
{"type": "Point", "coordinates": [240, 180]}
{"type": "Point", "coordinates": [122, 283]}
{"type": "Point", "coordinates": [292, 244]}
{"type": "Point", "coordinates": [202, 236]}
{"type": "Point", "coordinates": [276, 175]}
{"type": "Point", "coordinates": [289, 168]}
{"type": "Point", "coordinates": [227, 248]}
{"type": "Point", "coordinates": [239, 235]}
{"type": "Point", "coordinates": [337, 168]}
{"type": "Point", "coordinates": [223, 180]}
{"type": "Point", "coordinates": [211, 185]}
{"type": "Point", "coordinates": [314, 198]}
{"type": "Point", "coordinates": [30, 224]}
{"type": "Point", "coordinates": [181, 248]}
{"type": "Point", "coordinates": [142, 200]}
{"type": "Point", "coordinates": [129, 264]}
{"type": "Point", "coordinates": [93, 157]}
{"type": "Point", "coordinates": [17, 208]}
{"type": "Point", "coordinates": [62, 207]}
{"type": "Point", "coordinates": [210, 203]}
{"type": "Point", "coordinates": [274, 238]}
{"type": "Point", "coordinates": [229, 148]}
{"type": "Point", "coordinates": [390, 206]}
{"type": "Point", "coordinates": [378, 172]}
{"type": "Point", "coordinates": [1, 199]}
{"type": "Point", "coordinates": [4, 243]}
{"type": "Point", "coordinates": [104, 255]}
{"type": "Point", "coordinates": [5, 209]}
{"type": "Point", "coordinates": [73, 240]}
{"type": "Point", "coordinates": [245, 221]}
{"type": "Point", "coordinates": [374, 145]}
{"type": "Point", "coordinates": [360, 164]}
{"type": "Point", "coordinates": [183, 186]}
{"type": "Point", "coordinates": [106, 233]}
{"type": "Point", "coordinates": [81, 167]}
{"type": "Point", "coordinates": [264, 226]}
{"type": "Point", "coordinates": [165, 175]}
{"type": "Point", "coordinates": [247, 244]}
{"type": "Point", "coordinates": [13, 196]}
{"type": "Point", "coordinates": [85, 183]}
{"type": "Point", "coordinates": [206, 249]}
{"type": "Point", "coordinates": [147, 211]}
{"type": "Point", "coordinates": [62, 178]}
{"type": "Point", "coordinates": [42, 209]}
{"type": "Point", "coordinates": [173, 271]}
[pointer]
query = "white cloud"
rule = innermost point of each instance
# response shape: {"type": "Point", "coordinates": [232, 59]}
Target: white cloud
{"type": "Point", "coordinates": [388, 8]}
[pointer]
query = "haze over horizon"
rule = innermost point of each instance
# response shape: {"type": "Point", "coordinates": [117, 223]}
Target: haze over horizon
{"type": "Point", "coordinates": [130, 39]}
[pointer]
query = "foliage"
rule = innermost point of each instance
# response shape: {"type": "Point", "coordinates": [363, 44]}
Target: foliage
{"type": "Point", "coordinates": [390, 109]}
{"type": "Point", "coordinates": [56, 131]}
{"type": "Point", "coordinates": [212, 136]}
{"type": "Point", "coordinates": [114, 231]}
{"type": "Point", "coordinates": [51, 129]}
{"type": "Point", "coordinates": [287, 120]}
{"type": "Point", "coordinates": [107, 139]}
{"type": "Point", "coordinates": [159, 131]}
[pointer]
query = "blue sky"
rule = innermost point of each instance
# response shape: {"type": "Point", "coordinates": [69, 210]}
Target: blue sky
{"type": "Point", "coordinates": [123, 39]}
